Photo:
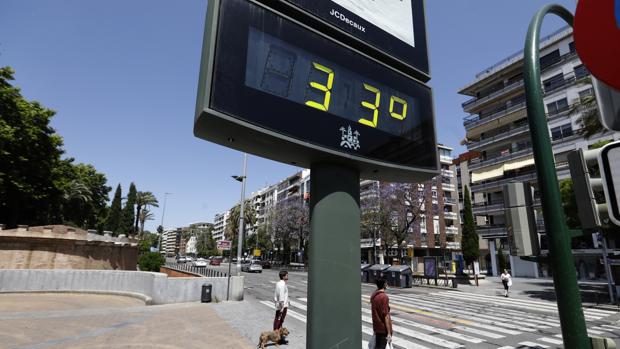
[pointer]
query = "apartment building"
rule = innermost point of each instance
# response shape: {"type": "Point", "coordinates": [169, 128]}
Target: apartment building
{"type": "Point", "coordinates": [437, 231]}
{"type": "Point", "coordinates": [219, 225]}
{"type": "Point", "coordinates": [498, 139]}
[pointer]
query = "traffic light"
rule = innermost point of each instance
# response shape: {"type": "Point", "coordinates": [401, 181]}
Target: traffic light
{"type": "Point", "coordinates": [520, 219]}
{"type": "Point", "coordinates": [609, 162]}
{"type": "Point", "coordinates": [587, 168]}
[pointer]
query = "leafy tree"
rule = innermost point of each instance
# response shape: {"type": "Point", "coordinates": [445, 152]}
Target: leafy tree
{"type": "Point", "coordinates": [144, 199]}
{"type": "Point", "coordinates": [232, 223]}
{"type": "Point", "coordinates": [587, 108]}
{"type": "Point", "coordinates": [145, 215]}
{"type": "Point", "coordinates": [147, 241]}
{"type": "Point", "coordinates": [569, 204]}
{"type": "Point", "coordinates": [290, 226]}
{"type": "Point", "coordinates": [128, 215]}
{"type": "Point", "coordinates": [114, 215]}
{"type": "Point", "coordinates": [151, 261]}
{"type": "Point", "coordinates": [30, 150]}
{"type": "Point", "coordinates": [469, 243]}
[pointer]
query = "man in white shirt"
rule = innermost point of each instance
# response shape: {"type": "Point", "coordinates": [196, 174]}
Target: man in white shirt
{"type": "Point", "coordinates": [281, 300]}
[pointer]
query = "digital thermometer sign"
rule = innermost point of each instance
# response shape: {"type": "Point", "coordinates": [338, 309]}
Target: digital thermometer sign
{"type": "Point", "coordinates": [276, 88]}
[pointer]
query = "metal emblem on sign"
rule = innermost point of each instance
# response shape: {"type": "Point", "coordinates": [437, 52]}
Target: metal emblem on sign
{"type": "Point", "coordinates": [349, 138]}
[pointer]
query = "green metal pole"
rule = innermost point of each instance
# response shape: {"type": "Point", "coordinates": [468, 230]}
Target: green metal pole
{"type": "Point", "coordinates": [334, 291]}
{"type": "Point", "coordinates": [572, 320]}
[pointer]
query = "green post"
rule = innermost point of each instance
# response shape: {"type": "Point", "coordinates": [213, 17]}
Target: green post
{"type": "Point", "coordinates": [572, 320]}
{"type": "Point", "coordinates": [334, 291]}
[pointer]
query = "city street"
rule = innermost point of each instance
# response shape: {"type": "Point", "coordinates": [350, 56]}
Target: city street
{"type": "Point", "coordinates": [427, 317]}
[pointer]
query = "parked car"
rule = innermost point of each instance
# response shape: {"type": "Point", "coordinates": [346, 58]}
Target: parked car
{"type": "Point", "coordinates": [200, 262]}
{"type": "Point", "coordinates": [266, 264]}
{"type": "Point", "coordinates": [216, 261]}
{"type": "Point", "coordinates": [252, 266]}
{"type": "Point", "coordinates": [181, 259]}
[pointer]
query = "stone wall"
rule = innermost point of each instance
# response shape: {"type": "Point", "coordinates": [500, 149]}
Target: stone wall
{"type": "Point", "coordinates": [62, 247]}
{"type": "Point", "coordinates": [154, 288]}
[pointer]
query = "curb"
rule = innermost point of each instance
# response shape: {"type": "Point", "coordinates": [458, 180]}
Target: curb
{"type": "Point", "coordinates": [146, 299]}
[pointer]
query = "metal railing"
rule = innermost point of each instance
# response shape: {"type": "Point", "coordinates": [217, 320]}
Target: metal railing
{"type": "Point", "coordinates": [475, 101]}
{"type": "Point", "coordinates": [501, 158]}
{"type": "Point", "coordinates": [500, 136]}
{"type": "Point", "coordinates": [419, 280]}
{"type": "Point", "coordinates": [204, 271]}
{"type": "Point", "coordinates": [475, 120]}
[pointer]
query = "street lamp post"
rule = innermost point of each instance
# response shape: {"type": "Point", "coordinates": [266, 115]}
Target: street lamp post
{"type": "Point", "coordinates": [241, 222]}
{"type": "Point", "coordinates": [163, 213]}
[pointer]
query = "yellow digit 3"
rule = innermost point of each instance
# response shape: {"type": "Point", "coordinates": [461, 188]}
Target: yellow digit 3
{"type": "Point", "coordinates": [374, 107]}
{"type": "Point", "coordinates": [325, 88]}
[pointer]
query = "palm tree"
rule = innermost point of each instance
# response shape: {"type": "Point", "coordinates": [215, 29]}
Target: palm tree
{"type": "Point", "coordinates": [145, 215]}
{"type": "Point", "coordinates": [144, 199]}
{"type": "Point", "coordinates": [588, 109]}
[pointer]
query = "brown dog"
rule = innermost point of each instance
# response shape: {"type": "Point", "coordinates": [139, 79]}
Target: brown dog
{"type": "Point", "coordinates": [274, 336]}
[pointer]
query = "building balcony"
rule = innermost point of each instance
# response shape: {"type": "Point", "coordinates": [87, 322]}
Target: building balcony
{"type": "Point", "coordinates": [473, 145]}
{"type": "Point", "coordinates": [448, 187]}
{"type": "Point", "coordinates": [485, 208]}
{"type": "Point", "coordinates": [450, 215]}
{"type": "Point", "coordinates": [519, 153]}
{"type": "Point", "coordinates": [491, 231]}
{"type": "Point", "coordinates": [447, 173]}
{"type": "Point", "coordinates": [499, 183]}
{"type": "Point", "coordinates": [473, 121]}
{"type": "Point", "coordinates": [446, 159]}
{"type": "Point", "coordinates": [449, 201]}
{"type": "Point", "coordinates": [452, 230]}
{"type": "Point", "coordinates": [476, 102]}
{"type": "Point", "coordinates": [453, 245]}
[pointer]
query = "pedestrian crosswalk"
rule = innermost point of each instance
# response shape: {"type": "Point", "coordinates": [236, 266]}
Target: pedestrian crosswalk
{"type": "Point", "coordinates": [453, 319]}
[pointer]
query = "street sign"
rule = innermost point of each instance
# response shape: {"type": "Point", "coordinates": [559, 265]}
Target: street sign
{"type": "Point", "coordinates": [224, 245]}
{"type": "Point", "coordinates": [274, 87]}
{"type": "Point", "coordinates": [597, 38]}
{"type": "Point", "coordinates": [609, 162]}
{"type": "Point", "coordinates": [392, 31]}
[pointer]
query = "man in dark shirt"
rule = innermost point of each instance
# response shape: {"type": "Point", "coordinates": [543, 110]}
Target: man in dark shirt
{"type": "Point", "coordinates": [381, 321]}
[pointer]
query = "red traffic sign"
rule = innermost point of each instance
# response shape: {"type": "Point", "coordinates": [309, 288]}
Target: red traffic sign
{"type": "Point", "coordinates": [224, 245]}
{"type": "Point", "coordinates": [609, 162]}
{"type": "Point", "coordinates": [597, 38]}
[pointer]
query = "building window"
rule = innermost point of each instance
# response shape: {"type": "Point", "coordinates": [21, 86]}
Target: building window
{"type": "Point", "coordinates": [561, 132]}
{"type": "Point", "coordinates": [549, 59]}
{"type": "Point", "coordinates": [571, 47]}
{"type": "Point", "coordinates": [554, 82]}
{"type": "Point", "coordinates": [585, 93]}
{"type": "Point", "coordinates": [557, 106]}
{"type": "Point", "coordinates": [434, 193]}
{"type": "Point", "coordinates": [581, 71]}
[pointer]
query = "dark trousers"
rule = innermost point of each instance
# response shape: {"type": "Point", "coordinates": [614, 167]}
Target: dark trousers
{"type": "Point", "coordinates": [380, 341]}
{"type": "Point", "coordinates": [280, 315]}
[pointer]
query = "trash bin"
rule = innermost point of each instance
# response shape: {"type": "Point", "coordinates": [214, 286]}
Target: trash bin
{"type": "Point", "coordinates": [364, 272]}
{"type": "Point", "coordinates": [205, 297]}
{"type": "Point", "coordinates": [376, 271]}
{"type": "Point", "coordinates": [399, 276]}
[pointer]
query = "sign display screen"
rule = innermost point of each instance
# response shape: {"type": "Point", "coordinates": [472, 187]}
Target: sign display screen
{"type": "Point", "coordinates": [395, 27]}
{"type": "Point", "coordinates": [282, 78]}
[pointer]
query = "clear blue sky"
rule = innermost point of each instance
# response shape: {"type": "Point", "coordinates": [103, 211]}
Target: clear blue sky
{"type": "Point", "coordinates": [122, 76]}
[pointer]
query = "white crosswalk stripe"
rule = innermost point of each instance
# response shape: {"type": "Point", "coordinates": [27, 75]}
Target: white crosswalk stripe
{"type": "Point", "coordinates": [533, 345]}
{"type": "Point", "coordinates": [443, 320]}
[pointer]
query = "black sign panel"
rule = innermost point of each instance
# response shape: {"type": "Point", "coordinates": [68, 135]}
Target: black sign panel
{"type": "Point", "coordinates": [275, 88]}
{"type": "Point", "coordinates": [396, 28]}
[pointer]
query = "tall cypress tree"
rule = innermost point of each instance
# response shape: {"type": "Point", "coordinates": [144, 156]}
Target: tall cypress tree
{"type": "Point", "coordinates": [114, 215]}
{"type": "Point", "coordinates": [129, 215]}
{"type": "Point", "coordinates": [469, 242]}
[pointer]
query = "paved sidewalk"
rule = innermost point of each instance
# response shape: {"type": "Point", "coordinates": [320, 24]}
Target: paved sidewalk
{"type": "Point", "coordinates": [102, 321]}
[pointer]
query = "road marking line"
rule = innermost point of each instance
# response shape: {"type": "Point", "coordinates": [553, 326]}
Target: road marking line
{"type": "Point", "coordinates": [396, 340]}
{"type": "Point", "coordinates": [551, 340]}
{"type": "Point", "coordinates": [289, 312]}
{"type": "Point", "coordinates": [433, 329]}
{"type": "Point", "coordinates": [467, 315]}
{"type": "Point", "coordinates": [419, 335]}
{"type": "Point", "coordinates": [533, 345]}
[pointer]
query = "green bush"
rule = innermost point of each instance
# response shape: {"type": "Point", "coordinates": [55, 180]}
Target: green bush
{"type": "Point", "coordinates": [151, 261]}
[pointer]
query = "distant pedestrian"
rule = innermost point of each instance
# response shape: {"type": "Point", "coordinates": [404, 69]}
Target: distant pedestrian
{"type": "Point", "coordinates": [381, 320]}
{"type": "Point", "coordinates": [281, 302]}
{"type": "Point", "coordinates": [506, 281]}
